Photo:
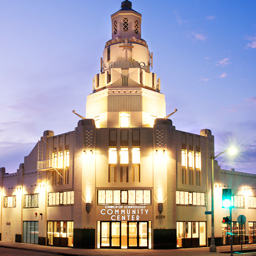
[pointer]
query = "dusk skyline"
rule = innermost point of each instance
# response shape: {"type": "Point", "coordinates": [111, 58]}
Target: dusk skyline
{"type": "Point", "coordinates": [204, 53]}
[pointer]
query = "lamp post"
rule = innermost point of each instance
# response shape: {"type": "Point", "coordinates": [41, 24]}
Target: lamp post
{"type": "Point", "coordinates": [232, 151]}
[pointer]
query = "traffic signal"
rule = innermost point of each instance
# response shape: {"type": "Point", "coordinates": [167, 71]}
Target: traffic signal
{"type": "Point", "coordinates": [226, 198]}
{"type": "Point", "coordinates": [226, 220]}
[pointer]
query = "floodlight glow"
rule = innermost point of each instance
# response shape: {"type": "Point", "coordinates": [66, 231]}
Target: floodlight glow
{"type": "Point", "coordinates": [232, 151]}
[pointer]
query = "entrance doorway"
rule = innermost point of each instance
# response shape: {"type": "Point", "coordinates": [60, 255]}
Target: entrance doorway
{"type": "Point", "coordinates": [124, 234]}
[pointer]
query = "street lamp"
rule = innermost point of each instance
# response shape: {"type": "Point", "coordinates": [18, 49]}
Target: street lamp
{"type": "Point", "coordinates": [231, 151]}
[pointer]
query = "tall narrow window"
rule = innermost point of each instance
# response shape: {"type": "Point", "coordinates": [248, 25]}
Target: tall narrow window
{"type": "Point", "coordinates": [60, 160]}
{"type": "Point", "coordinates": [191, 177]}
{"type": "Point", "coordinates": [136, 164]}
{"type": "Point", "coordinates": [124, 160]}
{"type": "Point", "coordinates": [124, 120]}
{"type": "Point", "coordinates": [54, 160]}
{"type": "Point", "coordinates": [112, 165]}
{"type": "Point", "coordinates": [191, 159]}
{"type": "Point", "coordinates": [135, 137]}
{"type": "Point", "coordinates": [184, 158]}
{"type": "Point", "coordinates": [112, 138]}
{"type": "Point", "coordinates": [125, 24]}
{"type": "Point", "coordinates": [184, 175]}
{"type": "Point", "coordinates": [108, 54]}
{"type": "Point", "coordinates": [115, 27]}
{"type": "Point", "coordinates": [124, 137]}
{"type": "Point", "coordinates": [66, 158]}
{"type": "Point", "coordinates": [136, 27]}
{"type": "Point", "coordinates": [198, 169]}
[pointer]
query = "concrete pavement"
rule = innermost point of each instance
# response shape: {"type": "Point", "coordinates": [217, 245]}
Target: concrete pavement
{"type": "Point", "coordinates": [201, 251]}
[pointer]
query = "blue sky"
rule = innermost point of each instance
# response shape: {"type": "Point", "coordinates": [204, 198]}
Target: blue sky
{"type": "Point", "coordinates": [204, 52]}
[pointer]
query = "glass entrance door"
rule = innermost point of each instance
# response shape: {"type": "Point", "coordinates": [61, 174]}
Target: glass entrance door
{"type": "Point", "coordinates": [137, 234]}
{"type": "Point", "coordinates": [110, 234]}
{"type": "Point", "coordinates": [123, 234]}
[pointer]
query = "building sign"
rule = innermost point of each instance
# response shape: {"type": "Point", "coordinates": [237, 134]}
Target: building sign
{"type": "Point", "coordinates": [124, 213]}
{"type": "Point", "coordinates": [125, 64]}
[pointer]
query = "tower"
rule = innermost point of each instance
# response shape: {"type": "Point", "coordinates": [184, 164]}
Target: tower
{"type": "Point", "coordinates": [125, 92]}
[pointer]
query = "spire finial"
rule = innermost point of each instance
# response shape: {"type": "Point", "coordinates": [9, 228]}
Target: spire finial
{"type": "Point", "coordinates": [126, 5]}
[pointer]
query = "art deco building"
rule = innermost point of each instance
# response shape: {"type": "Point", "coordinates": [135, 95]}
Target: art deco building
{"type": "Point", "coordinates": [125, 177]}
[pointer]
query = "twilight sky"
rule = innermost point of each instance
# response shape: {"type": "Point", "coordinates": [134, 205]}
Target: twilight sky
{"type": "Point", "coordinates": [204, 52]}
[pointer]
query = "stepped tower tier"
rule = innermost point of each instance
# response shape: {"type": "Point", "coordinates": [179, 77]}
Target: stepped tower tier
{"type": "Point", "coordinates": [125, 85]}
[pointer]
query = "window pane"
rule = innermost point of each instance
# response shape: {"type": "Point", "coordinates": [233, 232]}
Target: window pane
{"type": "Point", "coordinates": [124, 197]}
{"type": "Point", "coordinates": [139, 196]}
{"type": "Point", "coordinates": [147, 199]}
{"type": "Point", "coordinates": [131, 196]}
{"type": "Point", "coordinates": [116, 196]}
{"type": "Point", "coordinates": [101, 197]}
{"type": "Point", "coordinates": [109, 197]}
{"type": "Point", "coordinates": [135, 155]}
{"type": "Point", "coordinates": [124, 156]}
{"type": "Point", "coordinates": [112, 156]}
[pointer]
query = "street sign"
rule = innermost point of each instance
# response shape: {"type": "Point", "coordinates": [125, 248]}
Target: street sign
{"type": "Point", "coordinates": [241, 219]}
{"type": "Point", "coordinates": [207, 212]}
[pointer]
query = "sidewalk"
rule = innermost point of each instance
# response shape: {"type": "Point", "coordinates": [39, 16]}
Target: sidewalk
{"type": "Point", "coordinates": [250, 248]}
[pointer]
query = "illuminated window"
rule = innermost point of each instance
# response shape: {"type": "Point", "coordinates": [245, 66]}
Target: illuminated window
{"type": "Point", "coordinates": [191, 159]}
{"type": "Point", "coordinates": [9, 201]}
{"type": "Point", "coordinates": [252, 202]}
{"type": "Point", "coordinates": [112, 153]}
{"type": "Point", "coordinates": [31, 201]}
{"type": "Point", "coordinates": [135, 173]}
{"type": "Point", "coordinates": [184, 157]}
{"type": "Point", "coordinates": [60, 198]}
{"type": "Point", "coordinates": [101, 196]}
{"type": "Point", "coordinates": [55, 160]}
{"type": "Point", "coordinates": [190, 198]}
{"type": "Point", "coordinates": [198, 160]}
{"type": "Point", "coordinates": [131, 196]}
{"type": "Point", "coordinates": [238, 201]}
{"type": "Point", "coordinates": [124, 156]}
{"type": "Point", "coordinates": [147, 197]}
{"type": "Point", "coordinates": [124, 195]}
{"type": "Point", "coordinates": [136, 155]}
{"type": "Point", "coordinates": [66, 158]}
{"type": "Point", "coordinates": [139, 196]}
{"type": "Point", "coordinates": [109, 198]}
{"type": "Point", "coordinates": [116, 196]}
{"type": "Point", "coordinates": [124, 120]}
{"type": "Point", "coordinates": [60, 160]}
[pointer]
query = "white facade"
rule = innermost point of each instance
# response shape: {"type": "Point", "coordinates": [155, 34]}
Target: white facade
{"type": "Point", "coordinates": [125, 177]}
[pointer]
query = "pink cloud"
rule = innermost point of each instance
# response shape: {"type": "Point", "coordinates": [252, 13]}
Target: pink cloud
{"type": "Point", "coordinates": [204, 79]}
{"type": "Point", "coordinates": [223, 62]}
{"type": "Point", "coordinates": [251, 100]}
{"type": "Point", "coordinates": [223, 75]}
{"type": "Point", "coordinates": [198, 36]}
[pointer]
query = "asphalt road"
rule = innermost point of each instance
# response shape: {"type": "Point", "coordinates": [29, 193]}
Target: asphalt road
{"type": "Point", "coordinates": [17, 252]}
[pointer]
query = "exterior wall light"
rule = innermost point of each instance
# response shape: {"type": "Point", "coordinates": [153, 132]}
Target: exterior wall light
{"type": "Point", "coordinates": [160, 207]}
{"type": "Point", "coordinates": [88, 207]}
